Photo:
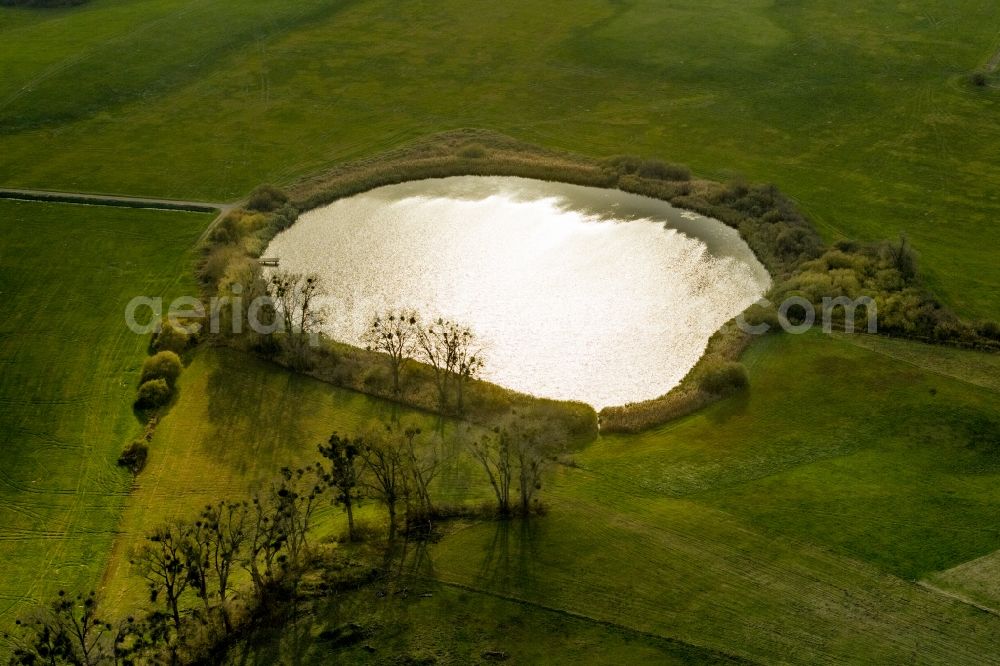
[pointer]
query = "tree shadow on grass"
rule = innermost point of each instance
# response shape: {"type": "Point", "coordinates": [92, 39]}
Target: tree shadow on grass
{"type": "Point", "coordinates": [510, 554]}
{"type": "Point", "coordinates": [257, 416]}
{"type": "Point", "coordinates": [262, 416]}
{"type": "Point", "coordinates": [735, 405]}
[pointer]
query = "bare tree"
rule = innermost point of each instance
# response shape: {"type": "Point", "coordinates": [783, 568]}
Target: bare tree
{"type": "Point", "coordinates": [902, 257]}
{"type": "Point", "coordinates": [493, 453]}
{"type": "Point", "coordinates": [452, 352]}
{"type": "Point", "coordinates": [421, 468]}
{"type": "Point", "coordinates": [265, 540]}
{"type": "Point", "coordinates": [226, 533]}
{"type": "Point", "coordinates": [384, 459]}
{"type": "Point", "coordinates": [395, 334]}
{"type": "Point", "coordinates": [197, 563]}
{"type": "Point", "coordinates": [343, 475]}
{"type": "Point", "coordinates": [161, 561]}
{"type": "Point", "coordinates": [525, 442]}
{"type": "Point", "coordinates": [295, 499]}
{"type": "Point", "coordinates": [69, 631]}
{"type": "Point", "coordinates": [295, 295]}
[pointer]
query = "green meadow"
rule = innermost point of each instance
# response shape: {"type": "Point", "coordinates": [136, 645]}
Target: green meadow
{"type": "Point", "coordinates": [843, 509]}
{"type": "Point", "coordinates": [69, 371]}
{"type": "Point", "coordinates": [812, 520]}
{"type": "Point", "coordinates": [863, 112]}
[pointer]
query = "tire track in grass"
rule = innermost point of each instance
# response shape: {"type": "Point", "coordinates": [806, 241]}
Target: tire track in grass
{"type": "Point", "coordinates": [77, 528]}
{"type": "Point", "coordinates": [57, 68]}
{"type": "Point", "coordinates": [92, 424]}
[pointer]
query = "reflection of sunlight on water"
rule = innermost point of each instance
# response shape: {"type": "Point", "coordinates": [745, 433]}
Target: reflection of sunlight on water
{"type": "Point", "coordinates": [568, 302]}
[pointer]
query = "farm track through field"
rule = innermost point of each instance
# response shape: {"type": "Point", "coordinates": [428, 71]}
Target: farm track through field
{"type": "Point", "coordinates": [90, 199]}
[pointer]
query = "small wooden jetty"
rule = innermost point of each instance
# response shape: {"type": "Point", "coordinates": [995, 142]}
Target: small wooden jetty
{"type": "Point", "coordinates": [269, 261]}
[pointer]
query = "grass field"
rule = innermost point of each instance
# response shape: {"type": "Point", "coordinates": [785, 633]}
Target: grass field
{"type": "Point", "coordinates": [237, 421]}
{"type": "Point", "coordinates": [754, 528]}
{"type": "Point", "coordinates": [478, 623]}
{"type": "Point", "coordinates": [862, 113]}
{"type": "Point", "coordinates": [69, 368]}
{"type": "Point", "coordinates": [839, 510]}
{"type": "Point", "coordinates": [765, 527]}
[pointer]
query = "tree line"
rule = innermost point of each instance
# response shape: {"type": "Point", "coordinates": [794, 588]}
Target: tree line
{"type": "Point", "coordinates": [452, 350]}
{"type": "Point", "coordinates": [259, 305]}
{"type": "Point", "coordinates": [211, 574]}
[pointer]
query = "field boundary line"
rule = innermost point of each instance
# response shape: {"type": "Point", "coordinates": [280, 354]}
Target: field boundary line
{"type": "Point", "coordinates": [593, 620]}
{"type": "Point", "coordinates": [112, 200]}
{"type": "Point", "coordinates": [961, 598]}
{"type": "Point", "coordinates": [857, 341]}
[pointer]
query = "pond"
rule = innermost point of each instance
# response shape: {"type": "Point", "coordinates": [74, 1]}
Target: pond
{"type": "Point", "coordinates": [575, 292]}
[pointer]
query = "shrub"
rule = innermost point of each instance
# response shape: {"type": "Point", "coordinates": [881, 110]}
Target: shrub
{"type": "Point", "coordinates": [762, 314]}
{"type": "Point", "coordinates": [171, 338]}
{"type": "Point", "coordinates": [989, 330]}
{"type": "Point", "coordinates": [282, 218]}
{"type": "Point", "coordinates": [624, 164]}
{"type": "Point", "coordinates": [724, 378]}
{"type": "Point", "coordinates": [979, 79]}
{"type": "Point", "coordinates": [134, 456]}
{"type": "Point", "coordinates": [217, 262]}
{"type": "Point", "coordinates": [662, 171]}
{"type": "Point", "coordinates": [793, 242]}
{"type": "Point", "coordinates": [165, 365]}
{"type": "Point", "coordinates": [153, 393]}
{"type": "Point", "coordinates": [228, 230]}
{"type": "Point", "coordinates": [847, 245]}
{"type": "Point", "coordinates": [266, 199]}
{"type": "Point", "coordinates": [837, 259]}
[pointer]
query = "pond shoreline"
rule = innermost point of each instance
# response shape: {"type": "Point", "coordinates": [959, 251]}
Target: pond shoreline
{"type": "Point", "coordinates": [780, 237]}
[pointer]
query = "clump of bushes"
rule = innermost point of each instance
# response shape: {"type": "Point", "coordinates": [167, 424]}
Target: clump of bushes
{"type": "Point", "coordinates": [724, 378]}
{"type": "Point", "coordinates": [171, 338]}
{"type": "Point", "coordinates": [757, 315]}
{"type": "Point", "coordinates": [632, 165]}
{"type": "Point", "coordinates": [243, 233]}
{"type": "Point", "coordinates": [660, 170]}
{"type": "Point", "coordinates": [217, 261]}
{"type": "Point", "coordinates": [979, 79]}
{"type": "Point", "coordinates": [266, 199]}
{"type": "Point", "coordinates": [153, 394]}
{"type": "Point", "coordinates": [886, 273]}
{"type": "Point", "coordinates": [134, 456]}
{"type": "Point", "coordinates": [165, 365]}
{"type": "Point", "coordinates": [989, 330]}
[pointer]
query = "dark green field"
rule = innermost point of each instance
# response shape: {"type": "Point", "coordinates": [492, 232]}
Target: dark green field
{"type": "Point", "coordinates": [842, 510]}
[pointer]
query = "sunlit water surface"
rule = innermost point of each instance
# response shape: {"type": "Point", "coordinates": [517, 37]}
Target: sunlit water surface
{"type": "Point", "coordinates": [575, 292]}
